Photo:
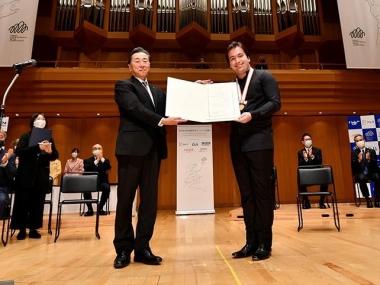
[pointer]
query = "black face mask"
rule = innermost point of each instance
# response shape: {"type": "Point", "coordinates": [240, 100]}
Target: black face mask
{"type": "Point", "coordinates": [2, 143]}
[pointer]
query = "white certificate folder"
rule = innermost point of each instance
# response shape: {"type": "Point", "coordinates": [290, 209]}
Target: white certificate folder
{"type": "Point", "coordinates": [196, 102]}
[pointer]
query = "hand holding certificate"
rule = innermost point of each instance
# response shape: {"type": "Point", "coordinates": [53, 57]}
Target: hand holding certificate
{"type": "Point", "coordinates": [202, 102]}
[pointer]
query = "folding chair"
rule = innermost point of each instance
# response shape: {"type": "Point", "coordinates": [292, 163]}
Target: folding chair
{"type": "Point", "coordinates": [50, 202]}
{"type": "Point", "coordinates": [316, 175]}
{"type": "Point", "coordinates": [6, 218]}
{"type": "Point", "coordinates": [78, 183]}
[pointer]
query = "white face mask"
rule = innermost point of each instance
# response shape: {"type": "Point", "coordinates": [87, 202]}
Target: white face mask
{"type": "Point", "coordinates": [74, 155]}
{"type": "Point", "coordinates": [308, 143]}
{"type": "Point", "coordinates": [360, 144]}
{"type": "Point", "coordinates": [40, 123]}
{"type": "Point", "coordinates": [96, 152]}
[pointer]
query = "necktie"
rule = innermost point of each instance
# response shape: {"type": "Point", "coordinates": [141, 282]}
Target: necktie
{"type": "Point", "coordinates": [145, 84]}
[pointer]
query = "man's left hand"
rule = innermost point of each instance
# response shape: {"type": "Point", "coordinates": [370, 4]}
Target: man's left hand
{"type": "Point", "coordinates": [244, 118]}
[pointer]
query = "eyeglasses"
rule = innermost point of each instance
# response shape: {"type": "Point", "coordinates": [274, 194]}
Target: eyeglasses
{"type": "Point", "coordinates": [96, 148]}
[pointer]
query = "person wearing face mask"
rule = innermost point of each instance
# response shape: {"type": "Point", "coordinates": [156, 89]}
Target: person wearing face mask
{"type": "Point", "coordinates": [7, 172]}
{"type": "Point", "coordinates": [32, 180]}
{"type": "Point", "coordinates": [365, 169]}
{"type": "Point", "coordinates": [74, 164]}
{"type": "Point", "coordinates": [98, 163]}
{"type": "Point", "coordinates": [310, 155]}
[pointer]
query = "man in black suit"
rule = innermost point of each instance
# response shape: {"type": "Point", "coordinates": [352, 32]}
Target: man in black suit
{"type": "Point", "coordinates": [365, 169]}
{"type": "Point", "coordinates": [309, 156]}
{"type": "Point", "coordinates": [140, 146]}
{"type": "Point", "coordinates": [251, 144]}
{"type": "Point", "coordinates": [98, 163]}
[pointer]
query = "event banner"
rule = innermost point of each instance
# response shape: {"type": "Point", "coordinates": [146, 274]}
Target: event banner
{"type": "Point", "coordinates": [360, 25]}
{"type": "Point", "coordinates": [369, 127]}
{"type": "Point", "coordinates": [195, 179]}
{"type": "Point", "coordinates": [17, 23]}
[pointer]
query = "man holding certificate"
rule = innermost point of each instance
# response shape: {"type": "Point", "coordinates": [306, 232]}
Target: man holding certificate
{"type": "Point", "coordinates": [251, 145]}
{"type": "Point", "coordinates": [140, 146]}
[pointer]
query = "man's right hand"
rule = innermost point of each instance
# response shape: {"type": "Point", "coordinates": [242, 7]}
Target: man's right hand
{"type": "Point", "coordinates": [172, 121]}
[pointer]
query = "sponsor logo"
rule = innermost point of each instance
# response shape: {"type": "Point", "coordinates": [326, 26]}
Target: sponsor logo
{"type": "Point", "coordinates": [370, 135]}
{"type": "Point", "coordinates": [358, 37]}
{"type": "Point", "coordinates": [18, 28]}
{"type": "Point", "coordinates": [358, 33]}
{"type": "Point", "coordinates": [354, 124]}
{"type": "Point", "coordinates": [206, 143]}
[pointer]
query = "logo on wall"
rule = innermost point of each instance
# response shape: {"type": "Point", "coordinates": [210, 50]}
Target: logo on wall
{"type": "Point", "coordinates": [354, 122]}
{"type": "Point", "coordinates": [358, 37]}
{"type": "Point", "coordinates": [16, 32]}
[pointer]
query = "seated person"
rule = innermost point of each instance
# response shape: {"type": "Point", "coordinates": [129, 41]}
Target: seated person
{"type": "Point", "coordinates": [7, 173]}
{"type": "Point", "coordinates": [365, 169]}
{"type": "Point", "coordinates": [74, 164]}
{"type": "Point", "coordinates": [98, 163]}
{"type": "Point", "coordinates": [308, 156]}
{"type": "Point", "coordinates": [55, 171]}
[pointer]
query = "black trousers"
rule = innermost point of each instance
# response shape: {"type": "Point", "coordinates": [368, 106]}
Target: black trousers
{"type": "Point", "coordinates": [105, 189]}
{"type": "Point", "coordinates": [136, 172]}
{"type": "Point", "coordinates": [363, 179]}
{"type": "Point", "coordinates": [253, 171]}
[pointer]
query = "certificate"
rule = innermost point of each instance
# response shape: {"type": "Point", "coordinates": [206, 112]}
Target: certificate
{"type": "Point", "coordinates": [196, 102]}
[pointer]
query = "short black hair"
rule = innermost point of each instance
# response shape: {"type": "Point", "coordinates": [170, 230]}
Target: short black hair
{"type": "Point", "coordinates": [34, 117]}
{"type": "Point", "coordinates": [305, 135]}
{"type": "Point", "coordinates": [233, 45]}
{"type": "Point", "coordinates": [75, 150]}
{"type": "Point", "coordinates": [357, 135]}
{"type": "Point", "coordinates": [136, 50]}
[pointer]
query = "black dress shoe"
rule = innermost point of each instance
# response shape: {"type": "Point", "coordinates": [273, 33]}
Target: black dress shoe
{"type": "Point", "coordinates": [21, 234]}
{"type": "Point", "coordinates": [247, 250]}
{"type": "Point", "coordinates": [158, 257]}
{"type": "Point", "coordinates": [369, 204]}
{"type": "Point", "coordinates": [102, 213]}
{"type": "Point", "coordinates": [306, 206]}
{"type": "Point", "coordinates": [322, 206]}
{"type": "Point", "coordinates": [261, 253]}
{"type": "Point", "coordinates": [147, 257]}
{"type": "Point", "coordinates": [34, 234]}
{"type": "Point", "coordinates": [122, 260]}
{"type": "Point", "coordinates": [377, 204]}
{"type": "Point", "coordinates": [89, 213]}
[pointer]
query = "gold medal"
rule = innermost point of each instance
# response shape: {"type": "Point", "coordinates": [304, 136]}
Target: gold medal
{"type": "Point", "coordinates": [242, 105]}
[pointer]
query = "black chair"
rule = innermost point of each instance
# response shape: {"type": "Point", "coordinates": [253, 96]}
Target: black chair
{"type": "Point", "coordinates": [276, 191]}
{"type": "Point", "coordinates": [49, 202]}
{"type": "Point", "coordinates": [316, 175]}
{"type": "Point", "coordinates": [6, 218]}
{"type": "Point", "coordinates": [83, 207]}
{"type": "Point", "coordinates": [78, 183]}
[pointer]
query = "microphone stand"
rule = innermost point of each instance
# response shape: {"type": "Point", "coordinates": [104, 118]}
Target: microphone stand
{"type": "Point", "coordinates": [2, 108]}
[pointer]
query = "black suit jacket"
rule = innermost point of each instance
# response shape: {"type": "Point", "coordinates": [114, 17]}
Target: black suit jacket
{"type": "Point", "coordinates": [34, 165]}
{"type": "Point", "coordinates": [263, 99]}
{"type": "Point", "coordinates": [318, 159]}
{"type": "Point", "coordinates": [102, 168]}
{"type": "Point", "coordinates": [138, 130]}
{"type": "Point", "coordinates": [358, 167]}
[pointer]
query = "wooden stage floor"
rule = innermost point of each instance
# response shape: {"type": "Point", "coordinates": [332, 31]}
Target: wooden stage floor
{"type": "Point", "coordinates": [197, 250]}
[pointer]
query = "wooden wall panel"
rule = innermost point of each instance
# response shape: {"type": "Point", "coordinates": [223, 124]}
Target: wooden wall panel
{"type": "Point", "coordinates": [328, 132]}
{"type": "Point", "coordinates": [78, 94]}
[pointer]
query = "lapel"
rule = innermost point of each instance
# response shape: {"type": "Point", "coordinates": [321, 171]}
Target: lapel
{"type": "Point", "coordinates": [141, 91]}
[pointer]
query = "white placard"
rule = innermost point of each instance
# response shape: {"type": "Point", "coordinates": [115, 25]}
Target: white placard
{"type": "Point", "coordinates": [195, 180]}
{"type": "Point", "coordinates": [360, 25]}
{"type": "Point", "coordinates": [4, 124]}
{"type": "Point", "coordinates": [202, 102]}
{"type": "Point", "coordinates": [17, 23]}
